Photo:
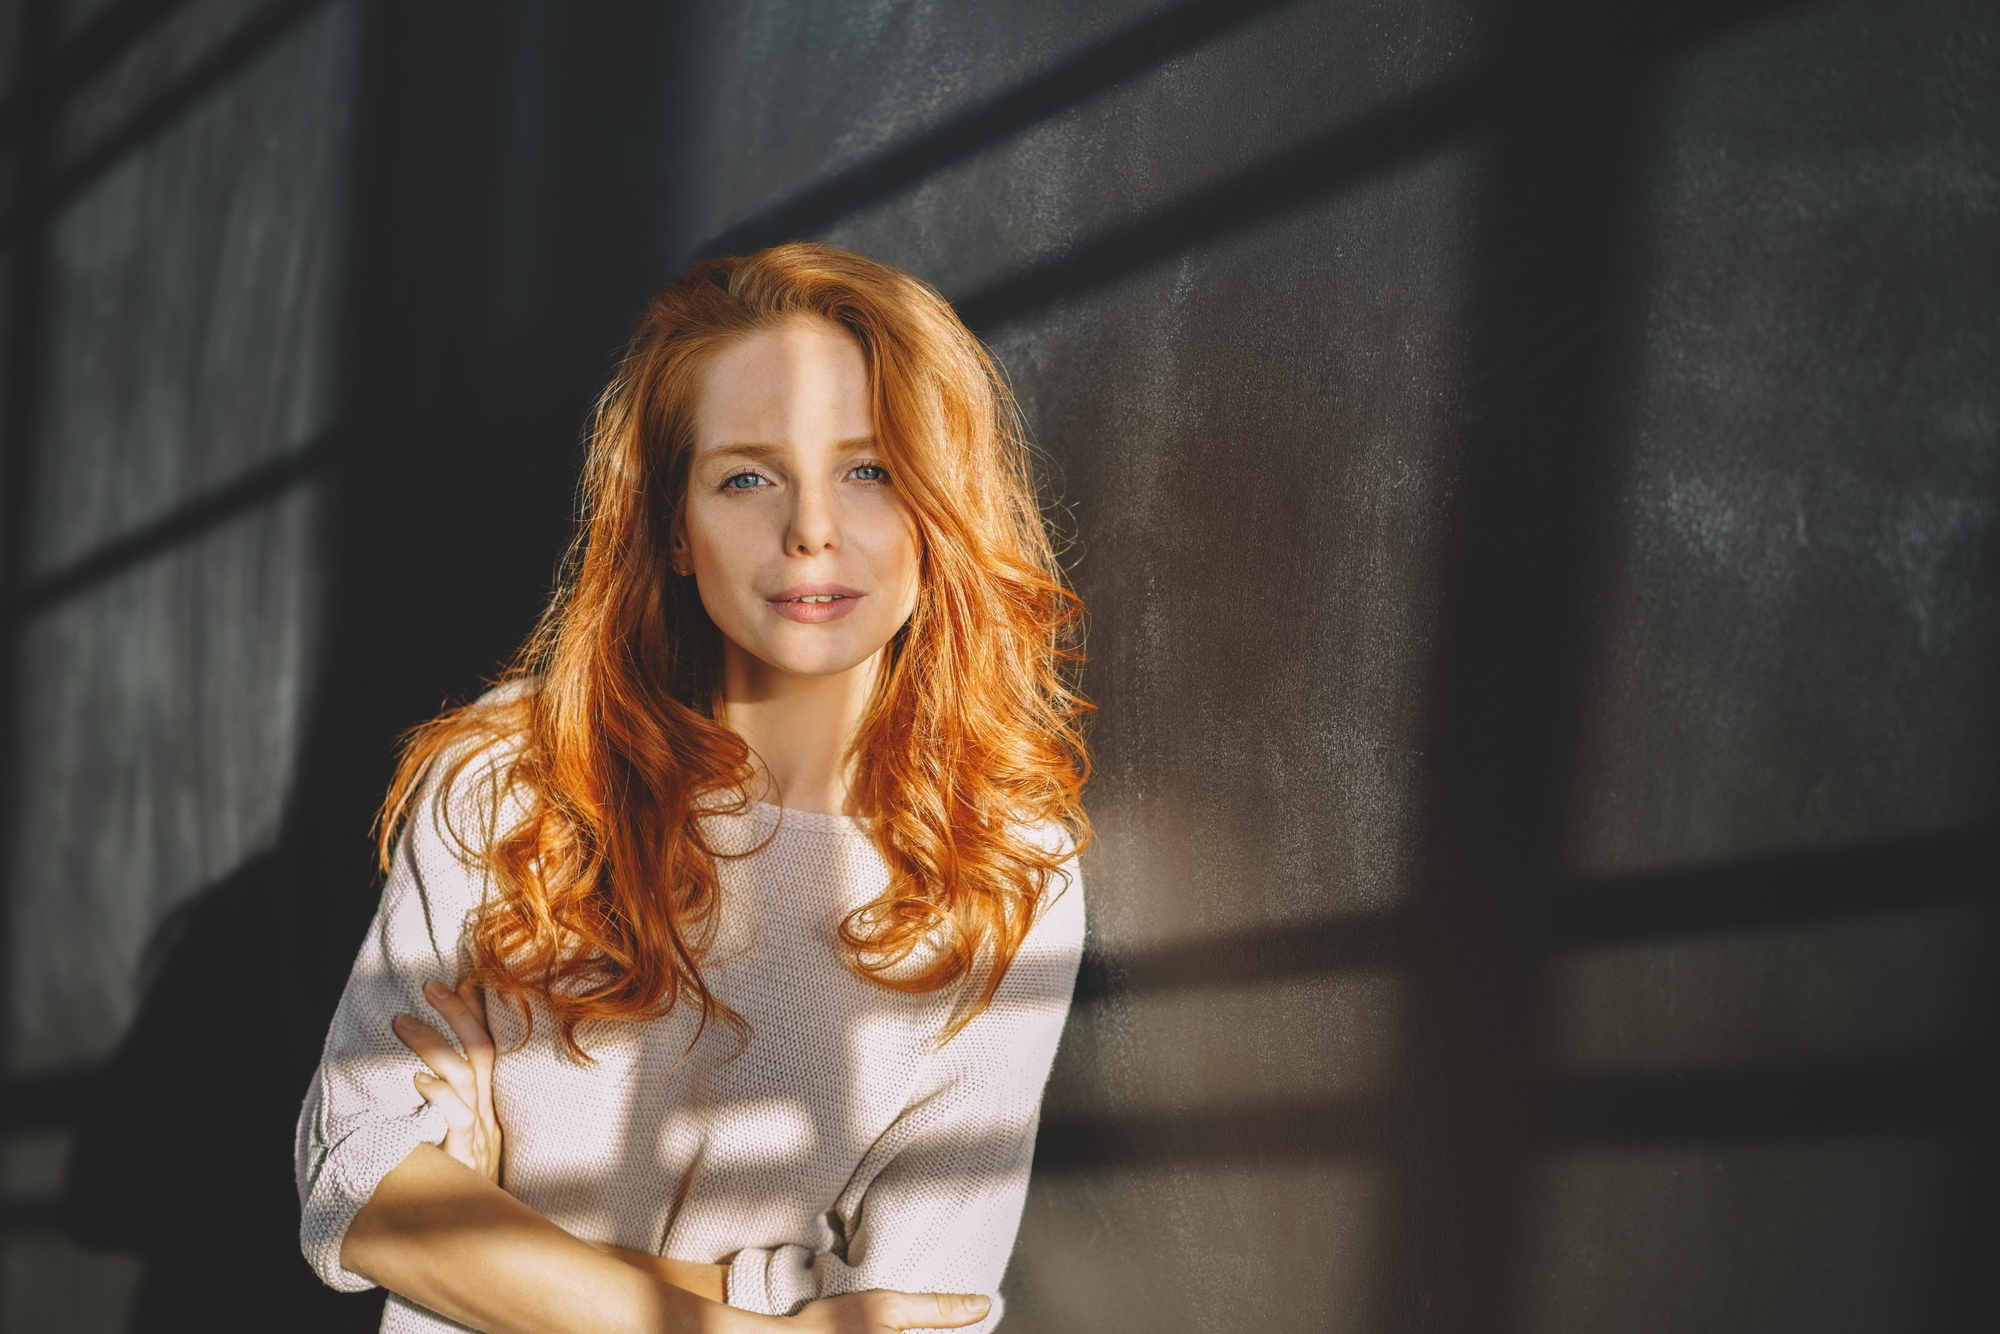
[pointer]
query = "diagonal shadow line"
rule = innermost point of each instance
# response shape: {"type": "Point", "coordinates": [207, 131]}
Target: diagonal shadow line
{"type": "Point", "coordinates": [1343, 156]}
{"type": "Point", "coordinates": [1282, 1130]}
{"type": "Point", "coordinates": [1100, 67]}
{"type": "Point", "coordinates": [1260, 955]}
{"type": "Point", "coordinates": [260, 484]}
{"type": "Point", "coordinates": [105, 38]}
{"type": "Point", "coordinates": [48, 1098]}
{"type": "Point", "coordinates": [1095, 69]}
{"type": "Point", "coordinates": [227, 58]}
{"type": "Point", "coordinates": [33, 1213]}
{"type": "Point", "coordinates": [1924, 871]}
{"type": "Point", "coordinates": [1649, 1109]}
{"type": "Point", "coordinates": [1772, 1100]}
{"type": "Point", "coordinates": [1793, 889]}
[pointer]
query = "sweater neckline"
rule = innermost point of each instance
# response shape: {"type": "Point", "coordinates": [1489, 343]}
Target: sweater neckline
{"type": "Point", "coordinates": [786, 817]}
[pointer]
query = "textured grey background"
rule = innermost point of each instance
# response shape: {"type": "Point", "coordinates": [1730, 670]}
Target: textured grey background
{"type": "Point", "coordinates": [1533, 477]}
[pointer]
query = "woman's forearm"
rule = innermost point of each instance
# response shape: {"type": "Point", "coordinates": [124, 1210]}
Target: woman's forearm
{"type": "Point", "coordinates": [445, 1237]}
{"type": "Point", "coordinates": [710, 1281]}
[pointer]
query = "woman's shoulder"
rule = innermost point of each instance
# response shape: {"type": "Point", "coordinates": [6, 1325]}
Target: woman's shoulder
{"type": "Point", "coordinates": [1042, 973]}
{"type": "Point", "coordinates": [1048, 836]}
{"type": "Point", "coordinates": [513, 690]}
{"type": "Point", "coordinates": [493, 728]}
{"type": "Point", "coordinates": [471, 788]}
{"type": "Point", "coordinates": [1059, 913]}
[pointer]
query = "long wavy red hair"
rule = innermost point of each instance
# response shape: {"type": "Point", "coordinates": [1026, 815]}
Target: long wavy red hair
{"type": "Point", "coordinates": [609, 748]}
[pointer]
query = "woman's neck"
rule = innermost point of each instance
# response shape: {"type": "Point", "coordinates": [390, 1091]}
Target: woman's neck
{"type": "Point", "coordinates": [800, 729]}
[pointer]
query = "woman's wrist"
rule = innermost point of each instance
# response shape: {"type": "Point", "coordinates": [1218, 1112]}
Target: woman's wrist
{"type": "Point", "coordinates": [709, 1281]}
{"type": "Point", "coordinates": [700, 1315]}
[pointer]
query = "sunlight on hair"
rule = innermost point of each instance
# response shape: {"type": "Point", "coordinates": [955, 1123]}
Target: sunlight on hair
{"type": "Point", "coordinates": [606, 882]}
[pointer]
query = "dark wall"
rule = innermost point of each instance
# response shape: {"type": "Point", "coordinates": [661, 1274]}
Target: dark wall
{"type": "Point", "coordinates": [320, 294]}
{"type": "Point", "coordinates": [1533, 476]}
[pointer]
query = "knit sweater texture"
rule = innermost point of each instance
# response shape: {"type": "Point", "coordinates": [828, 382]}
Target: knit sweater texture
{"type": "Point", "coordinates": [840, 1147]}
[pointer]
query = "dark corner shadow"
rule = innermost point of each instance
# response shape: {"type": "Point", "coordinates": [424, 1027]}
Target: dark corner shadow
{"type": "Point", "coordinates": [183, 1148]}
{"type": "Point", "coordinates": [1096, 69]}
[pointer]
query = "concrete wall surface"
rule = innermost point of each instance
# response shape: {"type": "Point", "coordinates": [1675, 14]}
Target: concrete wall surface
{"type": "Point", "coordinates": [1532, 469]}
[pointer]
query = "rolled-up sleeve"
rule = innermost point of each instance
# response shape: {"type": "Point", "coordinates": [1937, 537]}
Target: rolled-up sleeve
{"type": "Point", "coordinates": [935, 1204]}
{"type": "Point", "coordinates": [362, 1115]}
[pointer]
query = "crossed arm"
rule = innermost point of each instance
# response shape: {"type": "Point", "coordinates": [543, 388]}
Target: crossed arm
{"type": "Point", "coordinates": [440, 1231]}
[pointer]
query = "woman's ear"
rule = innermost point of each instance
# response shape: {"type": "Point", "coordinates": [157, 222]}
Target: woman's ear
{"type": "Point", "coordinates": [678, 552]}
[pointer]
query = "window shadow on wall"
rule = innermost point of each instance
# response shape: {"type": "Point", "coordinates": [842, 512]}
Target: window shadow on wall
{"type": "Point", "coordinates": [424, 605]}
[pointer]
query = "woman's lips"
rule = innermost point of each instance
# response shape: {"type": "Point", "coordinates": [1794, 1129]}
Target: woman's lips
{"type": "Point", "coordinates": [814, 603]}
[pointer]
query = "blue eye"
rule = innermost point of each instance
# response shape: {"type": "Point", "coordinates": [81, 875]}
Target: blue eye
{"type": "Point", "coordinates": [743, 481]}
{"type": "Point", "coordinates": [870, 472]}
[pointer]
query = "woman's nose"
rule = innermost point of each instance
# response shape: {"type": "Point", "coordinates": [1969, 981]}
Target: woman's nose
{"type": "Point", "coordinates": [813, 526]}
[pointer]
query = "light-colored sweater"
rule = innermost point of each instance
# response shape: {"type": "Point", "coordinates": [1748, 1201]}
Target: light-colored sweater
{"type": "Point", "coordinates": [841, 1149]}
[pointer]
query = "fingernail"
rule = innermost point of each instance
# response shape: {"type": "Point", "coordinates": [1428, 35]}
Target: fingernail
{"type": "Point", "coordinates": [976, 1304]}
{"type": "Point", "coordinates": [432, 987]}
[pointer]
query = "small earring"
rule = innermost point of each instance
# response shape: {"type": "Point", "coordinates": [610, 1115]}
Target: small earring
{"type": "Point", "coordinates": [681, 572]}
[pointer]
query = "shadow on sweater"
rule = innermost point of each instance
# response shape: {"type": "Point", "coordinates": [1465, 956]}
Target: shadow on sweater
{"type": "Point", "coordinates": [183, 1154]}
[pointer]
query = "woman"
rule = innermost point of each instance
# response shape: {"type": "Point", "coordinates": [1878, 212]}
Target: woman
{"type": "Point", "coordinates": [763, 855]}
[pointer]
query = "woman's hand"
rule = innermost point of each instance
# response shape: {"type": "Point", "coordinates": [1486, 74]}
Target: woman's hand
{"type": "Point", "coordinates": [881, 1312]}
{"type": "Point", "coordinates": [459, 1086]}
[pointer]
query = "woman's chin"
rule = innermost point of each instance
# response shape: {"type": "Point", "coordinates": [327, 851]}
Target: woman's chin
{"type": "Point", "coordinates": [778, 658]}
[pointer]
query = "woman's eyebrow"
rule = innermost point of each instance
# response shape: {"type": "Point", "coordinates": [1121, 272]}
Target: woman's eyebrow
{"type": "Point", "coordinates": [740, 449]}
{"type": "Point", "coordinates": [750, 450]}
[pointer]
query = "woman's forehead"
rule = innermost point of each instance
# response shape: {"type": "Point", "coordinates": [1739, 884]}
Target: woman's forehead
{"type": "Point", "coordinates": [804, 381]}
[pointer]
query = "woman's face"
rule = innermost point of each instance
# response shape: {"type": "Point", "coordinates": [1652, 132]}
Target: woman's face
{"type": "Point", "coordinates": [805, 556]}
